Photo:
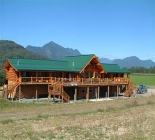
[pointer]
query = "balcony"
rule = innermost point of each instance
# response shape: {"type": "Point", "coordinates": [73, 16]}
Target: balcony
{"type": "Point", "coordinates": [74, 81]}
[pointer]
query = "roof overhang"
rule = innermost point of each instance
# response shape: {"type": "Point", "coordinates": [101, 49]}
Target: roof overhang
{"type": "Point", "coordinates": [7, 65]}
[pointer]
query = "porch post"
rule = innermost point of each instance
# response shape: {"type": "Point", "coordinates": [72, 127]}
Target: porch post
{"type": "Point", "coordinates": [98, 92]}
{"type": "Point", "coordinates": [36, 74]}
{"type": "Point", "coordinates": [19, 91]}
{"type": "Point", "coordinates": [108, 91]}
{"type": "Point", "coordinates": [48, 94]}
{"type": "Point", "coordinates": [36, 93]}
{"type": "Point", "coordinates": [62, 94]}
{"type": "Point", "coordinates": [59, 99]}
{"type": "Point", "coordinates": [87, 94]}
{"type": "Point", "coordinates": [20, 77]}
{"type": "Point", "coordinates": [75, 95]}
{"type": "Point", "coordinates": [48, 97]}
{"type": "Point", "coordinates": [117, 91]}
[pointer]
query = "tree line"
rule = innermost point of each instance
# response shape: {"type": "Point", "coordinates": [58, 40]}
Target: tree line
{"type": "Point", "coordinates": [141, 70]}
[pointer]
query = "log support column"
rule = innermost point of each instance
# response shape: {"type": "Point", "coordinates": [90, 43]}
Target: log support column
{"type": "Point", "coordinates": [98, 92]}
{"type": "Point", "coordinates": [75, 95]}
{"type": "Point", "coordinates": [36, 92]}
{"type": "Point", "coordinates": [62, 90]}
{"type": "Point", "coordinates": [108, 91]}
{"type": "Point", "coordinates": [87, 94]}
{"type": "Point", "coordinates": [19, 92]}
{"type": "Point", "coordinates": [117, 91]}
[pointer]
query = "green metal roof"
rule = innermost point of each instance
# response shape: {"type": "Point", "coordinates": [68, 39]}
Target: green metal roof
{"type": "Point", "coordinates": [77, 63]}
{"type": "Point", "coordinates": [114, 68]}
{"type": "Point", "coordinates": [70, 63]}
{"type": "Point", "coordinates": [46, 65]}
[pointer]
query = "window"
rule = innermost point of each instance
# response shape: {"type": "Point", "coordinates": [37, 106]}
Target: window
{"type": "Point", "coordinates": [39, 74]}
{"type": "Point", "coordinates": [90, 89]}
{"type": "Point", "coordinates": [24, 74]}
{"type": "Point", "coordinates": [91, 74]}
{"type": "Point", "coordinates": [87, 75]}
{"type": "Point", "coordinates": [82, 75]}
{"type": "Point", "coordinates": [83, 90]}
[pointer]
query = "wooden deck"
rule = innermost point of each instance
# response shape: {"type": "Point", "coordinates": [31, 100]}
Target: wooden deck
{"type": "Point", "coordinates": [74, 81]}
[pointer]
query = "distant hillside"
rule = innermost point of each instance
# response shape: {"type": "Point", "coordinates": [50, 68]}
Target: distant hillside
{"type": "Point", "coordinates": [129, 62]}
{"type": "Point", "coordinates": [105, 60]}
{"type": "Point", "coordinates": [53, 51]}
{"type": "Point", "coordinates": [10, 49]}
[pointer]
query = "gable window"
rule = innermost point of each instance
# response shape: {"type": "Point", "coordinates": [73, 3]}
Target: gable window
{"type": "Point", "coordinates": [91, 74]}
{"type": "Point", "coordinates": [87, 75]}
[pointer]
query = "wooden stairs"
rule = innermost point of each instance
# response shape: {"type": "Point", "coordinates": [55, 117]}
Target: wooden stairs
{"type": "Point", "coordinates": [130, 90]}
{"type": "Point", "coordinates": [56, 89]}
{"type": "Point", "coordinates": [13, 91]}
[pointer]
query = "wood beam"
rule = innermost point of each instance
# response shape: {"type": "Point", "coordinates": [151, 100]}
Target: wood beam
{"type": "Point", "coordinates": [87, 94]}
{"type": "Point", "coordinates": [36, 92]}
{"type": "Point", "coordinates": [108, 91]}
{"type": "Point", "coordinates": [98, 91]}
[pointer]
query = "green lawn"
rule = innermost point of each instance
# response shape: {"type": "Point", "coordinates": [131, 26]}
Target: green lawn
{"type": "Point", "coordinates": [147, 79]}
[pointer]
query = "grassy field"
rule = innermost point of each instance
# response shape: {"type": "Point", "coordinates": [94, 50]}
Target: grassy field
{"type": "Point", "coordinates": [148, 79]}
{"type": "Point", "coordinates": [121, 119]}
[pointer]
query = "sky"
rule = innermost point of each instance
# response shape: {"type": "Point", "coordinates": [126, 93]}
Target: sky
{"type": "Point", "coordinates": [112, 29]}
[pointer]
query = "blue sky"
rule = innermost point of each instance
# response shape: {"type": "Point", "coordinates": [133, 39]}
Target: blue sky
{"type": "Point", "coordinates": [108, 28]}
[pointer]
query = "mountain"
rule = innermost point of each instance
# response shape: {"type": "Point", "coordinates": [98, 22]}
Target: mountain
{"type": "Point", "coordinates": [105, 60]}
{"type": "Point", "coordinates": [53, 51]}
{"type": "Point", "coordinates": [128, 62]}
{"type": "Point", "coordinates": [10, 49]}
{"type": "Point", "coordinates": [57, 52]}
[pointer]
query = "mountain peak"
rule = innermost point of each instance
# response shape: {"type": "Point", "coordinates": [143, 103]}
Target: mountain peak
{"type": "Point", "coordinates": [132, 57]}
{"type": "Point", "coordinates": [53, 50]}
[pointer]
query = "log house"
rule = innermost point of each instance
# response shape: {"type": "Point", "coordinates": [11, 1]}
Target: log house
{"type": "Point", "coordinates": [78, 77]}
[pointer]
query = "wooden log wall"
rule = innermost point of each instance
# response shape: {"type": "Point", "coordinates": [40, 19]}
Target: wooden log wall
{"type": "Point", "coordinates": [11, 74]}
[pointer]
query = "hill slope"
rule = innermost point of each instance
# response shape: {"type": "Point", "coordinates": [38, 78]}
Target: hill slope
{"type": "Point", "coordinates": [11, 49]}
{"type": "Point", "coordinates": [53, 51]}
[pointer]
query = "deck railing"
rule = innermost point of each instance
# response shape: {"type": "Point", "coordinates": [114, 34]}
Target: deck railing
{"type": "Point", "coordinates": [73, 81]}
